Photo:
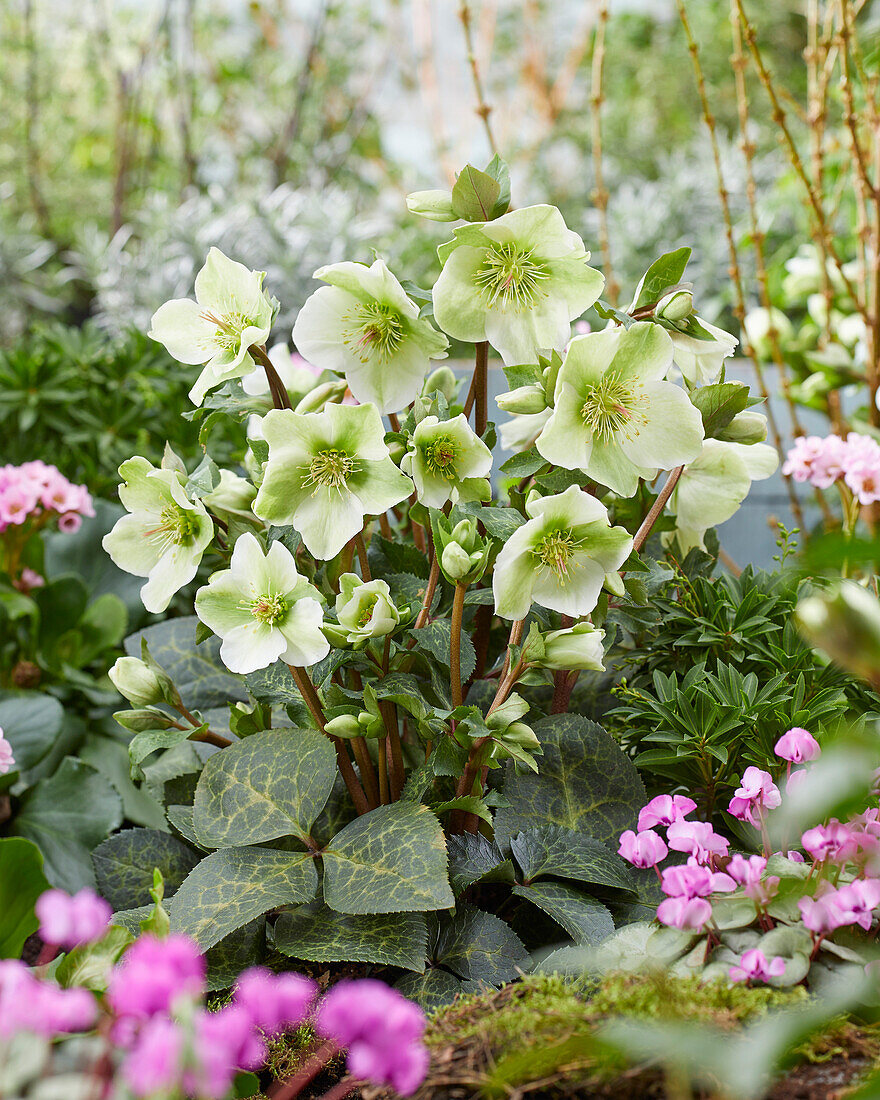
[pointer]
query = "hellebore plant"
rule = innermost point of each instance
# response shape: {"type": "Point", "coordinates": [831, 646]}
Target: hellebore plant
{"type": "Point", "coordinates": [389, 623]}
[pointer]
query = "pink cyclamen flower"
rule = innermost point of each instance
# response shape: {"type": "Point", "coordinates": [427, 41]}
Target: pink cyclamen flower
{"type": "Point", "coordinates": [756, 794]}
{"type": "Point", "coordinates": [750, 874]}
{"type": "Point", "coordinates": [825, 841]}
{"type": "Point", "coordinates": [41, 1007]}
{"type": "Point", "coordinates": [684, 913]}
{"type": "Point", "coordinates": [795, 779]}
{"type": "Point", "coordinates": [665, 809]}
{"type": "Point", "coordinates": [7, 759]}
{"type": "Point", "coordinates": [698, 838]}
{"type": "Point", "coordinates": [694, 881]}
{"type": "Point", "coordinates": [67, 921]}
{"type": "Point", "coordinates": [644, 849]}
{"type": "Point", "coordinates": [381, 1029]}
{"type": "Point", "coordinates": [822, 914]}
{"type": "Point", "coordinates": [798, 746]}
{"type": "Point", "coordinates": [857, 901]}
{"type": "Point", "coordinates": [153, 1064]}
{"type": "Point", "coordinates": [754, 967]}
{"type": "Point", "coordinates": [154, 973]}
{"type": "Point", "coordinates": [275, 1003]}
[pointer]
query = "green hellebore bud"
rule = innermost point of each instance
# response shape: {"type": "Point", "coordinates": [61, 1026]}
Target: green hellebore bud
{"type": "Point", "coordinates": [524, 399]}
{"type": "Point", "coordinates": [614, 584]}
{"type": "Point", "coordinates": [397, 450]}
{"type": "Point", "coordinates": [746, 427]}
{"type": "Point", "coordinates": [139, 720]}
{"type": "Point", "coordinates": [464, 555]}
{"type": "Point", "coordinates": [518, 733]}
{"type": "Point", "coordinates": [328, 393]}
{"type": "Point", "coordinates": [442, 379]}
{"type": "Point", "coordinates": [138, 683]}
{"type": "Point", "coordinates": [345, 726]}
{"type": "Point", "coordinates": [435, 205]}
{"type": "Point", "coordinates": [678, 305]}
{"type": "Point", "coordinates": [578, 648]}
{"type": "Point", "coordinates": [844, 622]}
{"type": "Point", "coordinates": [455, 562]}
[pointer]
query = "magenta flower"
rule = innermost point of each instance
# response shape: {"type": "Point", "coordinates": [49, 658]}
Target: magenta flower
{"type": "Point", "coordinates": [381, 1029]}
{"type": "Point", "coordinates": [275, 1003]}
{"type": "Point", "coordinates": [757, 794]}
{"type": "Point", "coordinates": [822, 914]}
{"type": "Point", "coordinates": [154, 1062]}
{"type": "Point", "coordinates": [665, 809]}
{"type": "Point", "coordinates": [67, 921]}
{"type": "Point", "coordinates": [685, 913]}
{"type": "Point", "coordinates": [857, 901]}
{"type": "Point", "coordinates": [749, 873]}
{"type": "Point", "coordinates": [794, 780]}
{"type": "Point", "coordinates": [797, 746]}
{"type": "Point", "coordinates": [154, 974]}
{"type": "Point", "coordinates": [7, 760]}
{"type": "Point", "coordinates": [825, 841]}
{"type": "Point", "coordinates": [41, 1007]}
{"type": "Point", "coordinates": [697, 838]}
{"type": "Point", "coordinates": [693, 880]}
{"type": "Point", "coordinates": [754, 967]}
{"type": "Point", "coordinates": [643, 849]}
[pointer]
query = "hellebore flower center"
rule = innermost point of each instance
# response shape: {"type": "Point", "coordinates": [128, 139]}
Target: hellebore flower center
{"type": "Point", "coordinates": [331, 469]}
{"type": "Point", "coordinates": [555, 551]}
{"type": "Point", "coordinates": [267, 609]}
{"type": "Point", "coordinates": [440, 457]}
{"type": "Point", "coordinates": [230, 326]}
{"type": "Point", "coordinates": [176, 527]}
{"type": "Point", "coordinates": [376, 330]}
{"type": "Point", "coordinates": [611, 407]}
{"type": "Point", "coordinates": [509, 277]}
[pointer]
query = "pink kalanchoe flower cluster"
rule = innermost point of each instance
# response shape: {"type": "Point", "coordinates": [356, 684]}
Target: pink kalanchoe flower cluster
{"type": "Point", "coordinates": [382, 1031]}
{"type": "Point", "coordinates": [7, 759]}
{"type": "Point", "coordinates": [757, 794]}
{"type": "Point", "coordinates": [822, 461]}
{"type": "Point", "coordinates": [67, 921]}
{"type": "Point", "coordinates": [754, 967]}
{"type": "Point", "coordinates": [36, 489]}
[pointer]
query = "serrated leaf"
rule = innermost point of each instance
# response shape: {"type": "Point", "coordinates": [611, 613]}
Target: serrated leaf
{"type": "Point", "coordinates": [124, 865]}
{"type": "Point", "coordinates": [469, 803]}
{"type": "Point", "coordinates": [232, 887]}
{"type": "Point", "coordinates": [718, 404]}
{"type": "Point", "coordinates": [270, 785]}
{"type": "Point", "coordinates": [315, 933]}
{"type": "Point", "coordinates": [436, 639]}
{"type": "Point", "coordinates": [585, 783]}
{"type": "Point", "coordinates": [473, 858]}
{"type": "Point", "coordinates": [289, 537]}
{"type": "Point", "coordinates": [524, 464]}
{"type": "Point", "coordinates": [204, 479]}
{"type": "Point", "coordinates": [147, 742]}
{"type": "Point", "coordinates": [480, 947]}
{"type": "Point", "coordinates": [390, 860]}
{"type": "Point", "coordinates": [568, 853]}
{"type": "Point", "coordinates": [663, 273]}
{"type": "Point", "coordinates": [475, 194]}
{"type": "Point", "coordinates": [585, 919]}
{"type": "Point", "coordinates": [524, 374]}
{"type": "Point", "coordinates": [501, 523]}
{"type": "Point", "coordinates": [396, 557]}
{"type": "Point", "coordinates": [432, 990]}
{"type": "Point", "coordinates": [244, 947]}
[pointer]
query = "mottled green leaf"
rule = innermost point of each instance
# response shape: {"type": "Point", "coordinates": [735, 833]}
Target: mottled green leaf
{"type": "Point", "coordinates": [244, 947]}
{"type": "Point", "coordinates": [501, 523]}
{"type": "Point", "coordinates": [232, 887]}
{"type": "Point", "coordinates": [567, 853]}
{"type": "Point", "coordinates": [316, 933]}
{"type": "Point", "coordinates": [390, 860]}
{"type": "Point", "coordinates": [480, 946]}
{"type": "Point", "coordinates": [30, 722]}
{"type": "Point", "coordinates": [124, 865]}
{"type": "Point", "coordinates": [21, 883]}
{"type": "Point", "coordinates": [197, 671]}
{"type": "Point", "coordinates": [585, 919]}
{"type": "Point", "coordinates": [718, 404]}
{"type": "Point", "coordinates": [67, 815]}
{"type": "Point", "coordinates": [432, 990]}
{"type": "Point", "coordinates": [473, 858]}
{"type": "Point", "coordinates": [270, 785]}
{"type": "Point", "coordinates": [585, 783]}
{"type": "Point", "coordinates": [524, 464]}
{"type": "Point", "coordinates": [436, 639]}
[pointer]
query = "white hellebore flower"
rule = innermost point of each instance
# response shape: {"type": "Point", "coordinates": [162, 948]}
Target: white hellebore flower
{"type": "Point", "coordinates": [263, 609]}
{"type": "Point", "coordinates": [559, 557]}
{"type": "Point", "coordinates": [614, 417]}
{"type": "Point", "coordinates": [577, 647]}
{"type": "Point", "coordinates": [365, 608]}
{"type": "Point", "coordinates": [713, 487]}
{"type": "Point", "coordinates": [700, 361]}
{"type": "Point", "coordinates": [231, 313]}
{"type": "Point", "coordinates": [448, 461]}
{"type": "Point", "coordinates": [326, 471]}
{"type": "Point", "coordinates": [517, 281]}
{"type": "Point", "coordinates": [364, 326]}
{"type": "Point", "coordinates": [165, 535]}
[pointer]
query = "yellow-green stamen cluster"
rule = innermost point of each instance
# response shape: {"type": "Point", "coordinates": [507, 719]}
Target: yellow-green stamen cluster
{"type": "Point", "coordinates": [367, 610]}
{"type": "Point", "coordinates": [555, 551]}
{"type": "Point", "coordinates": [230, 326]}
{"type": "Point", "coordinates": [509, 277]}
{"type": "Point", "coordinates": [611, 406]}
{"type": "Point", "coordinates": [440, 456]}
{"type": "Point", "coordinates": [330, 469]}
{"type": "Point", "coordinates": [268, 609]}
{"type": "Point", "coordinates": [176, 527]}
{"type": "Point", "coordinates": [375, 331]}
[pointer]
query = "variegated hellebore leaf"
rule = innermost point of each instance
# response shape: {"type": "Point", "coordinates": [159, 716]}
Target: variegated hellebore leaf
{"type": "Point", "coordinates": [390, 860]}
{"type": "Point", "coordinates": [270, 785]}
{"type": "Point", "coordinates": [315, 933]}
{"type": "Point", "coordinates": [232, 887]}
{"type": "Point", "coordinates": [479, 946]}
{"type": "Point", "coordinates": [568, 853]}
{"type": "Point", "coordinates": [125, 862]}
{"type": "Point", "coordinates": [432, 990]}
{"type": "Point", "coordinates": [584, 918]}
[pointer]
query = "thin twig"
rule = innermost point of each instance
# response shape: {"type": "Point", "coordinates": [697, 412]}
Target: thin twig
{"type": "Point", "coordinates": [600, 193]}
{"type": "Point", "coordinates": [641, 536]}
{"type": "Point", "coordinates": [482, 109]}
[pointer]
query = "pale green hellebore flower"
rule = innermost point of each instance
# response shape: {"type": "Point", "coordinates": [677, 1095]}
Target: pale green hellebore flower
{"type": "Point", "coordinates": [231, 313]}
{"type": "Point", "coordinates": [364, 326]}
{"type": "Point", "coordinates": [517, 281]}
{"type": "Point", "coordinates": [614, 417]}
{"type": "Point", "coordinates": [365, 609]}
{"type": "Point", "coordinates": [326, 471]}
{"type": "Point", "coordinates": [714, 485]}
{"type": "Point", "coordinates": [263, 609]}
{"type": "Point", "coordinates": [165, 535]}
{"type": "Point", "coordinates": [559, 557]}
{"type": "Point", "coordinates": [700, 361]}
{"type": "Point", "coordinates": [233, 497]}
{"type": "Point", "coordinates": [137, 682]}
{"type": "Point", "coordinates": [447, 460]}
{"type": "Point", "coordinates": [578, 647]}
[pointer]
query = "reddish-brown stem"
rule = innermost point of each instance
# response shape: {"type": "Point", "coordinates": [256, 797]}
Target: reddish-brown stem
{"type": "Point", "coordinates": [428, 599]}
{"type": "Point", "coordinates": [455, 645]}
{"type": "Point", "coordinates": [481, 380]}
{"type": "Point", "coordinates": [361, 548]}
{"type": "Point", "coordinates": [368, 773]}
{"type": "Point", "coordinates": [641, 536]}
{"type": "Point", "coordinates": [287, 1090]}
{"type": "Point", "coordinates": [280, 396]}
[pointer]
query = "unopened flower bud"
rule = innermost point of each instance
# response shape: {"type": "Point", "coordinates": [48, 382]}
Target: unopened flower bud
{"type": "Point", "coordinates": [143, 719]}
{"type": "Point", "coordinates": [518, 733]}
{"type": "Point", "coordinates": [577, 648]}
{"type": "Point", "coordinates": [455, 561]}
{"type": "Point", "coordinates": [746, 427]}
{"type": "Point", "coordinates": [524, 399]}
{"type": "Point", "coordinates": [442, 379]}
{"type": "Point", "coordinates": [328, 393]}
{"type": "Point", "coordinates": [614, 584]}
{"type": "Point", "coordinates": [345, 726]}
{"type": "Point", "coordinates": [138, 683]}
{"type": "Point", "coordinates": [675, 306]}
{"type": "Point", "coordinates": [435, 205]}
{"type": "Point", "coordinates": [365, 610]}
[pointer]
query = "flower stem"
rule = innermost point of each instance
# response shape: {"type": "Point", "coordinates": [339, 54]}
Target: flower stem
{"type": "Point", "coordinates": [478, 393]}
{"type": "Point", "coordinates": [455, 645]}
{"type": "Point", "coordinates": [310, 698]}
{"type": "Point", "coordinates": [280, 397]}
{"type": "Point", "coordinates": [433, 578]}
{"type": "Point", "coordinates": [368, 772]}
{"type": "Point", "coordinates": [361, 548]}
{"type": "Point", "coordinates": [641, 536]}
{"type": "Point", "coordinates": [383, 772]}
{"type": "Point", "coordinates": [208, 736]}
